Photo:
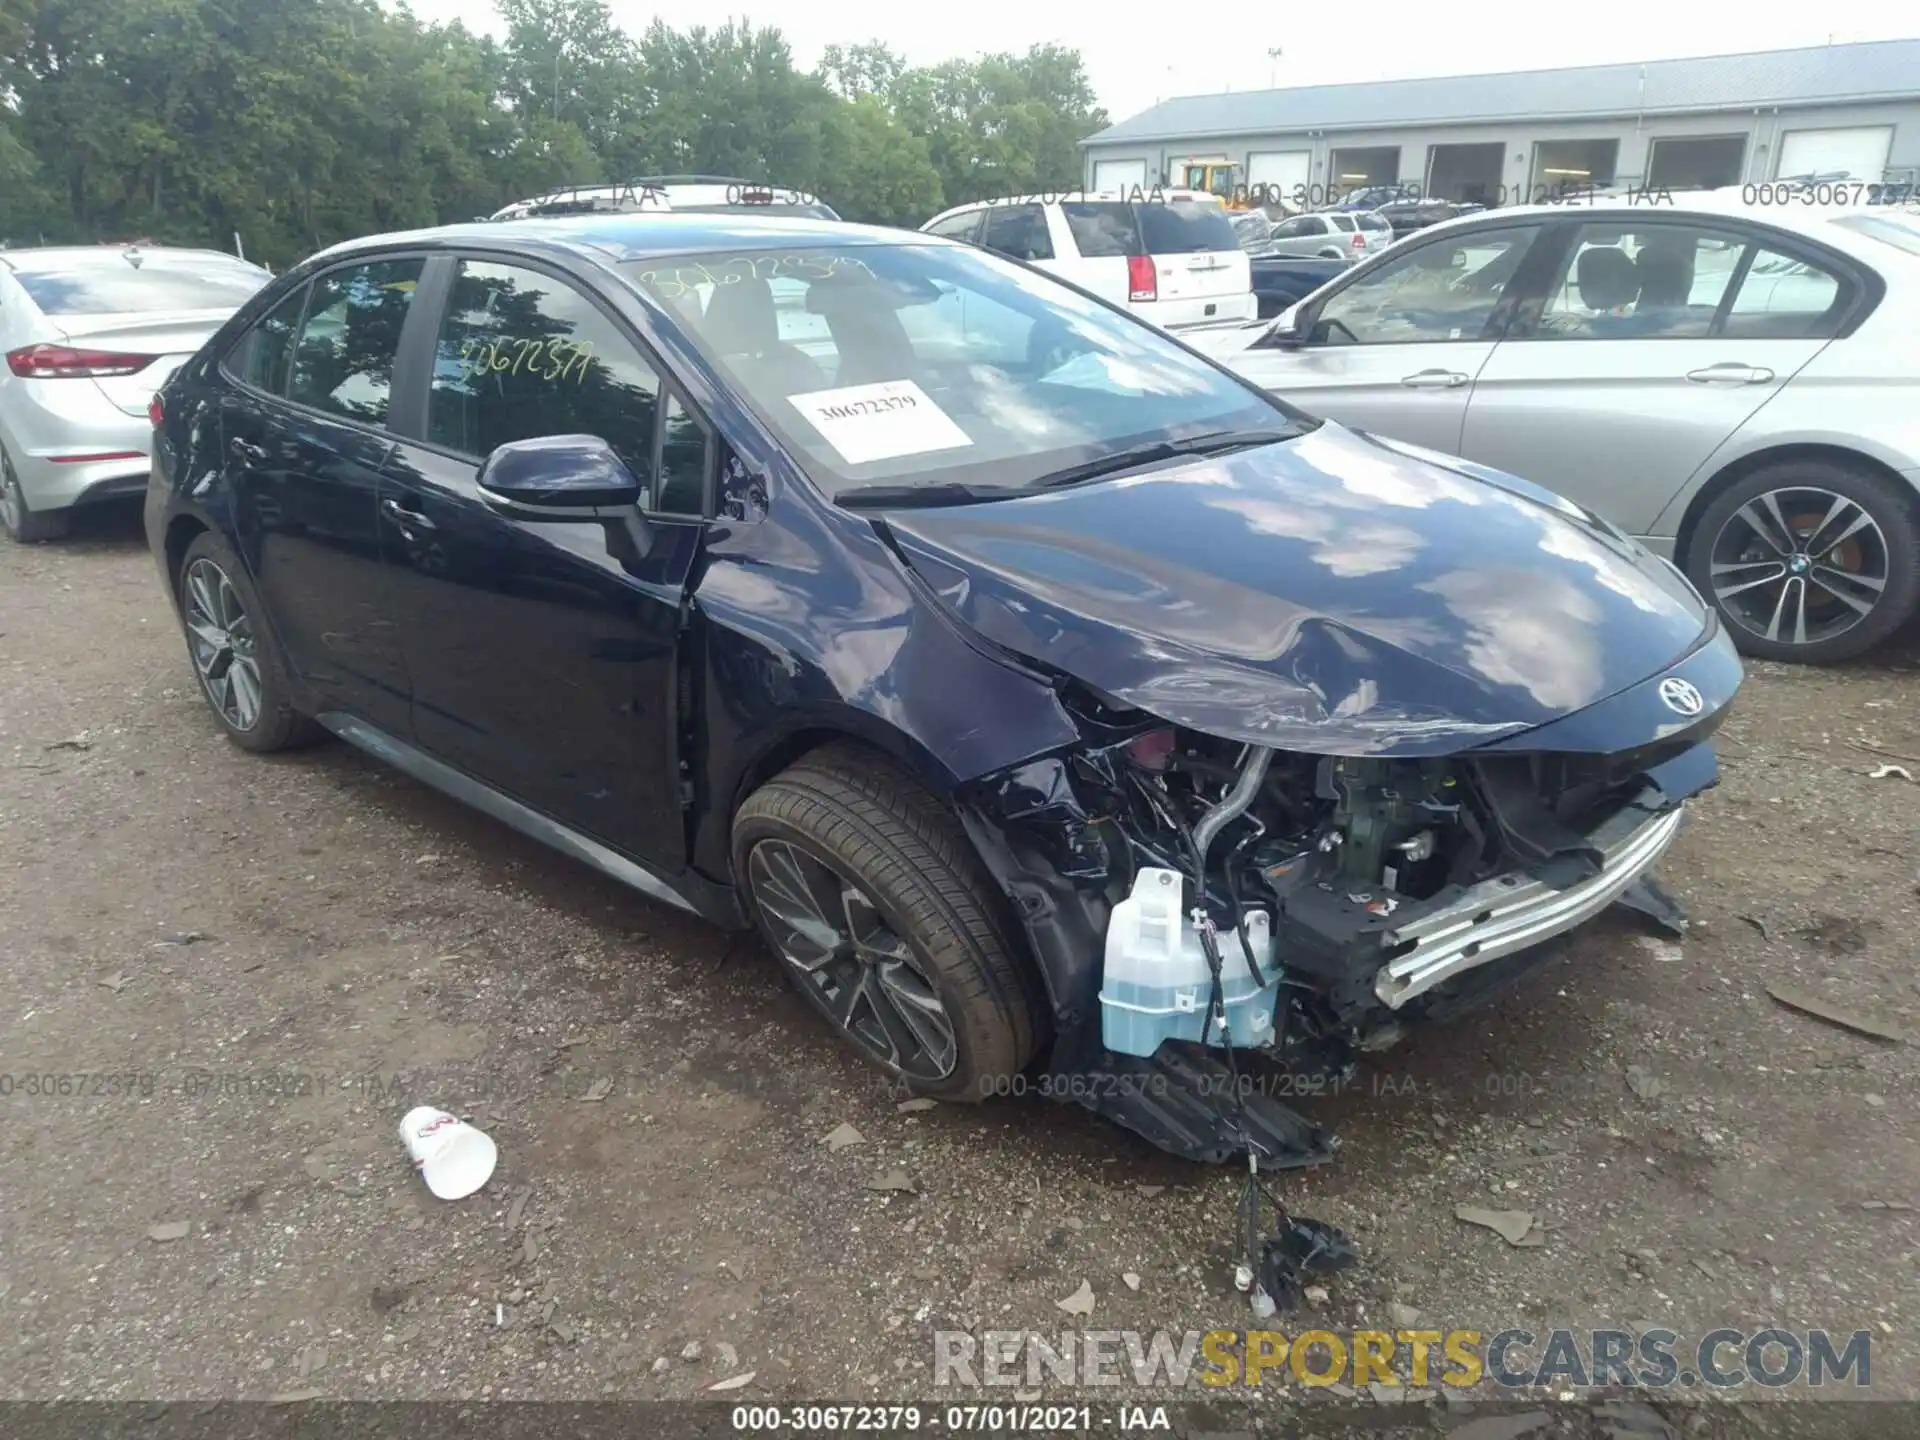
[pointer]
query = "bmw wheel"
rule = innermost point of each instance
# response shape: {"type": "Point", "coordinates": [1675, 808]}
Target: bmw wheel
{"type": "Point", "coordinates": [234, 654]}
{"type": "Point", "coordinates": [880, 912]}
{"type": "Point", "coordinates": [1809, 560]}
{"type": "Point", "coordinates": [24, 525]}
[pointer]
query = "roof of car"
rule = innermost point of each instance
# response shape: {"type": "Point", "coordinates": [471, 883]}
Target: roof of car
{"type": "Point", "coordinates": [1807, 219]}
{"type": "Point", "coordinates": [1145, 195]}
{"type": "Point", "coordinates": [637, 236]}
{"type": "Point", "coordinates": [39, 258]}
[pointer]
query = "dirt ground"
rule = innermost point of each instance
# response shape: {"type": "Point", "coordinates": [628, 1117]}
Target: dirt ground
{"type": "Point", "coordinates": [266, 962]}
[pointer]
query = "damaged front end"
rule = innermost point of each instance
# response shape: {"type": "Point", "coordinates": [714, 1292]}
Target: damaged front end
{"type": "Point", "coordinates": [1221, 924]}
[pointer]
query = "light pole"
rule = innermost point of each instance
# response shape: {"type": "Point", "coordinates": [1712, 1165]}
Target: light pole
{"type": "Point", "coordinates": [1273, 68]}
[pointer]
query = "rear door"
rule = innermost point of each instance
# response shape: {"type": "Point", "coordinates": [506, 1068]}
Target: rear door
{"type": "Point", "coordinates": [304, 414]}
{"type": "Point", "coordinates": [1659, 337]}
{"type": "Point", "coordinates": [1397, 348]}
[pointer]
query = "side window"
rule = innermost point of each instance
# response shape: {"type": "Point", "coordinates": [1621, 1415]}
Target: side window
{"type": "Point", "coordinates": [344, 359]}
{"type": "Point", "coordinates": [1641, 282]}
{"type": "Point", "coordinates": [1785, 298]}
{"type": "Point", "coordinates": [964, 226]}
{"type": "Point", "coordinates": [1102, 229]}
{"type": "Point", "coordinates": [683, 463]}
{"type": "Point", "coordinates": [521, 355]}
{"type": "Point", "coordinates": [261, 357]}
{"type": "Point", "coordinates": [1019, 231]}
{"type": "Point", "coordinates": [1442, 290]}
{"type": "Point", "coordinates": [1296, 228]}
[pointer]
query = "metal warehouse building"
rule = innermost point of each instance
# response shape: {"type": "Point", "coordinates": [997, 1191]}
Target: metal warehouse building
{"type": "Point", "coordinates": [1501, 139]}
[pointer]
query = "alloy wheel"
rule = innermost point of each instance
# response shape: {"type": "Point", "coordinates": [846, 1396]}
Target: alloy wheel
{"type": "Point", "coordinates": [829, 931]}
{"type": "Point", "coordinates": [1798, 566]}
{"type": "Point", "coordinates": [221, 639]}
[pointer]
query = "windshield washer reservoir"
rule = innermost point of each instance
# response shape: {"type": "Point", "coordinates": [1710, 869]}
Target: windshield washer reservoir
{"type": "Point", "coordinates": [1156, 985]}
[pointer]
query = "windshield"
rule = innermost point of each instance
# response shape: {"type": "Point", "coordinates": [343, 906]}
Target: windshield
{"type": "Point", "coordinates": [940, 364]}
{"type": "Point", "coordinates": [1900, 231]}
{"type": "Point", "coordinates": [117, 287]}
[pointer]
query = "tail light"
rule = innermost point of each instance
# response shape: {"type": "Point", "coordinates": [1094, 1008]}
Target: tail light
{"type": "Point", "coordinates": [1140, 282]}
{"type": "Point", "coordinates": [61, 362]}
{"type": "Point", "coordinates": [157, 411]}
{"type": "Point", "coordinates": [1359, 239]}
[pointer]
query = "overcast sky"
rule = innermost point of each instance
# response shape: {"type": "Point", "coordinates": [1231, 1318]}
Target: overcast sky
{"type": "Point", "coordinates": [1141, 51]}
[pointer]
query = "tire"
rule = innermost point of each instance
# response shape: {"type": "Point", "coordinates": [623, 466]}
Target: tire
{"type": "Point", "coordinates": [924, 900]}
{"type": "Point", "coordinates": [29, 527]}
{"type": "Point", "coordinates": [270, 723]}
{"type": "Point", "coordinates": [1816, 619]}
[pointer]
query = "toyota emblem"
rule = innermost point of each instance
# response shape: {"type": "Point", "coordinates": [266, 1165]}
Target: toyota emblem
{"type": "Point", "coordinates": [1682, 696]}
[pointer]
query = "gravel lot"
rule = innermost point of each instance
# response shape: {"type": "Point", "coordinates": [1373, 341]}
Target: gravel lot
{"type": "Point", "coordinates": [181, 913]}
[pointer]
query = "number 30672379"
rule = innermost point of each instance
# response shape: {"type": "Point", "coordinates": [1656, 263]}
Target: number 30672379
{"type": "Point", "coordinates": [549, 359]}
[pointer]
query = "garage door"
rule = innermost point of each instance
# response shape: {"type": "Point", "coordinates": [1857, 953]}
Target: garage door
{"type": "Point", "coordinates": [1284, 173]}
{"type": "Point", "coordinates": [1119, 174]}
{"type": "Point", "coordinates": [1861, 154]}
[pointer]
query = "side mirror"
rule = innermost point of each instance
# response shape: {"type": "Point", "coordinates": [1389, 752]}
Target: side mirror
{"type": "Point", "coordinates": [1285, 333]}
{"type": "Point", "coordinates": [559, 477]}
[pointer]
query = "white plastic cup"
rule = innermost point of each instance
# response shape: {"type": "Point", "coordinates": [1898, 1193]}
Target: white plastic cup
{"type": "Point", "coordinates": [452, 1157]}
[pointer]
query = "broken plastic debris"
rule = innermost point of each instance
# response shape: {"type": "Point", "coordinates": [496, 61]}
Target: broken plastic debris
{"type": "Point", "coordinates": [841, 1136]}
{"type": "Point", "coordinates": [915, 1105]}
{"type": "Point", "coordinates": [172, 1230]}
{"type": "Point", "coordinates": [1899, 1205]}
{"type": "Point", "coordinates": [452, 1157]}
{"type": "Point", "coordinates": [1644, 1083]}
{"type": "Point", "coordinates": [1808, 1003]}
{"type": "Point", "coordinates": [1243, 1277]}
{"type": "Point", "coordinates": [1516, 1227]}
{"type": "Point", "coordinates": [115, 983]}
{"type": "Point", "coordinates": [1300, 1248]}
{"type": "Point", "coordinates": [598, 1091]}
{"type": "Point", "coordinates": [1263, 1306]}
{"type": "Point", "coordinates": [1883, 772]}
{"type": "Point", "coordinates": [893, 1180]}
{"type": "Point", "coordinates": [1080, 1302]}
{"type": "Point", "coordinates": [1130, 1280]}
{"type": "Point", "coordinates": [734, 1382]}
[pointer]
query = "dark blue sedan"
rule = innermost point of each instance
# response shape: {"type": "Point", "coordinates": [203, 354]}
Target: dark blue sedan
{"type": "Point", "coordinates": [1065, 712]}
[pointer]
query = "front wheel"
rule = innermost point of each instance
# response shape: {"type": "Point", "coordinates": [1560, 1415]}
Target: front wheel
{"type": "Point", "coordinates": [1809, 560]}
{"type": "Point", "coordinates": [881, 913]}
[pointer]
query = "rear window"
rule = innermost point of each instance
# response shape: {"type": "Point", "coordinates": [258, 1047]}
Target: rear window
{"type": "Point", "coordinates": [1101, 230]}
{"type": "Point", "coordinates": [1342, 223]}
{"type": "Point", "coordinates": [119, 288]}
{"type": "Point", "coordinates": [1183, 227]}
{"type": "Point", "coordinates": [1897, 231]}
{"type": "Point", "coordinates": [1372, 222]}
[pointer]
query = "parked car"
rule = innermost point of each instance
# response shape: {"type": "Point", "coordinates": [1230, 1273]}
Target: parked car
{"type": "Point", "coordinates": [1733, 385]}
{"type": "Point", "coordinates": [1253, 229]}
{"type": "Point", "coordinates": [693, 194]}
{"type": "Point", "coordinates": [1346, 235]}
{"type": "Point", "coordinates": [1171, 257]}
{"type": "Point", "coordinates": [1283, 280]}
{"type": "Point", "coordinates": [89, 333]}
{"type": "Point", "coordinates": [956, 666]}
{"type": "Point", "coordinates": [1404, 217]}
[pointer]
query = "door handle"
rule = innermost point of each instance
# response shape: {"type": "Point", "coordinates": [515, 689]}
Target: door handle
{"type": "Point", "coordinates": [1731, 374]}
{"type": "Point", "coordinates": [1434, 380]}
{"type": "Point", "coordinates": [241, 450]}
{"type": "Point", "coordinates": [408, 520]}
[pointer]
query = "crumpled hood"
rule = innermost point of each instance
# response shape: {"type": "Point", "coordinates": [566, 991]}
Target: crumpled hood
{"type": "Point", "coordinates": [1340, 594]}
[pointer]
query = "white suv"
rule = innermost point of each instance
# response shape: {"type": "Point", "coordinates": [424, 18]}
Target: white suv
{"type": "Point", "coordinates": [1170, 256]}
{"type": "Point", "coordinates": [683, 194]}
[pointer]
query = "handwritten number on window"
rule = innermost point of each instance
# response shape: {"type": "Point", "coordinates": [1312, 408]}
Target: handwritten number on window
{"type": "Point", "coordinates": [550, 359]}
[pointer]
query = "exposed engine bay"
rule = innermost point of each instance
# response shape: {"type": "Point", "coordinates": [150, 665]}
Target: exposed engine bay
{"type": "Point", "coordinates": [1196, 902]}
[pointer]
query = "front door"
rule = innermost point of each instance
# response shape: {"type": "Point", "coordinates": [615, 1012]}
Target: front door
{"type": "Point", "coordinates": [545, 654]}
{"type": "Point", "coordinates": [1398, 349]}
{"type": "Point", "coordinates": [303, 420]}
{"type": "Point", "coordinates": [1659, 337]}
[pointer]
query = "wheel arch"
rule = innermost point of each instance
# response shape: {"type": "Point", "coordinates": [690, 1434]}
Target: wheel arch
{"type": "Point", "coordinates": [182, 530]}
{"type": "Point", "coordinates": [1737, 470]}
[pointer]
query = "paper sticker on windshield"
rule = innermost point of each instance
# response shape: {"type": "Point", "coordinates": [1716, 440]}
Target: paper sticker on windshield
{"type": "Point", "coordinates": [880, 422]}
